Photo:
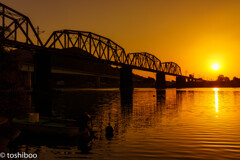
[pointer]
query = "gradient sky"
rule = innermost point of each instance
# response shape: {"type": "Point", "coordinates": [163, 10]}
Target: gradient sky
{"type": "Point", "coordinates": [193, 33]}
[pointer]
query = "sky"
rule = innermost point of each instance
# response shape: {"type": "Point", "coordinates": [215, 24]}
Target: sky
{"type": "Point", "coordinates": [195, 34]}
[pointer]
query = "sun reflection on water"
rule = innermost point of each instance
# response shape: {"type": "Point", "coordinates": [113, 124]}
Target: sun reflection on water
{"type": "Point", "coordinates": [216, 100]}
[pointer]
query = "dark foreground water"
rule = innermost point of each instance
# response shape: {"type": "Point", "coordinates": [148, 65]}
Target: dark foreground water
{"type": "Point", "coordinates": [170, 124]}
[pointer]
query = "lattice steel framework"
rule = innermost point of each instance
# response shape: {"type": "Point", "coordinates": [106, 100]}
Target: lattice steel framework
{"type": "Point", "coordinates": [171, 68]}
{"type": "Point", "coordinates": [147, 61]}
{"type": "Point", "coordinates": [96, 45]}
{"type": "Point", "coordinates": [17, 28]}
{"type": "Point", "coordinates": [144, 60]}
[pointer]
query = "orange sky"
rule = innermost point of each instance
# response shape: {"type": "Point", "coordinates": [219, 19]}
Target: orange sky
{"type": "Point", "coordinates": [193, 33]}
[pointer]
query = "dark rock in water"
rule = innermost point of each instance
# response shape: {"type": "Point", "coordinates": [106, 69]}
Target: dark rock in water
{"type": "Point", "coordinates": [109, 131]}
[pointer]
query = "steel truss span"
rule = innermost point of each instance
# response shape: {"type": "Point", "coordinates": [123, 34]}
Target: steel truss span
{"type": "Point", "coordinates": [16, 30]}
{"type": "Point", "coordinates": [171, 68]}
{"type": "Point", "coordinates": [98, 46]}
{"type": "Point", "coordinates": [16, 27]}
{"type": "Point", "coordinates": [144, 60]}
{"type": "Point", "coordinates": [149, 62]}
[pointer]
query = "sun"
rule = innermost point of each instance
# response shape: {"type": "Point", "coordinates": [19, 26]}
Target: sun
{"type": "Point", "coordinates": [215, 66]}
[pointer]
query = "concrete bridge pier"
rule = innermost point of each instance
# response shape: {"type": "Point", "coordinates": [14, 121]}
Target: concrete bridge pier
{"type": "Point", "coordinates": [126, 78]}
{"type": "Point", "coordinates": [126, 84]}
{"type": "Point", "coordinates": [180, 82]}
{"type": "Point", "coordinates": [160, 80]}
{"type": "Point", "coordinates": [28, 86]}
{"type": "Point", "coordinates": [98, 82]}
{"type": "Point", "coordinates": [27, 80]}
{"type": "Point", "coordinates": [41, 88]}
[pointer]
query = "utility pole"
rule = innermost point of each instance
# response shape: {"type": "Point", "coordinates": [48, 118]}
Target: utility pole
{"type": "Point", "coordinates": [38, 33]}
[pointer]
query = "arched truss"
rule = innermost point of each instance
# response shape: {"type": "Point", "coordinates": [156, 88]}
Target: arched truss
{"type": "Point", "coordinates": [144, 60]}
{"type": "Point", "coordinates": [96, 45]}
{"type": "Point", "coordinates": [147, 61]}
{"type": "Point", "coordinates": [17, 28]}
{"type": "Point", "coordinates": [171, 68]}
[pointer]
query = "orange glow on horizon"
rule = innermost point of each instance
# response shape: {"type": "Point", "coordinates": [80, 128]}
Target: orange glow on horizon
{"type": "Point", "coordinates": [193, 34]}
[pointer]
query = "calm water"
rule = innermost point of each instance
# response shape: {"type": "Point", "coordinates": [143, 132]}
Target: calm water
{"type": "Point", "coordinates": [170, 124]}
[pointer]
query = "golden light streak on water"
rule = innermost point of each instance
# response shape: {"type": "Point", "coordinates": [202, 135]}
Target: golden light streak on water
{"type": "Point", "coordinates": [216, 99]}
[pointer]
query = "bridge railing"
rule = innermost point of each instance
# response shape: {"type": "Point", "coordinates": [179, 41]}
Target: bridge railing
{"type": "Point", "coordinates": [16, 27]}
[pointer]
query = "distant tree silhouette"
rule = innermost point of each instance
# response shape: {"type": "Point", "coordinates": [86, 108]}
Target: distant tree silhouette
{"type": "Point", "coordinates": [226, 79]}
{"type": "Point", "coordinates": [235, 79]}
{"type": "Point", "coordinates": [220, 78]}
{"type": "Point", "coordinates": [236, 82]}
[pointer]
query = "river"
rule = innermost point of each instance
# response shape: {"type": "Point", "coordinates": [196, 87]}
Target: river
{"type": "Point", "coordinates": [199, 123]}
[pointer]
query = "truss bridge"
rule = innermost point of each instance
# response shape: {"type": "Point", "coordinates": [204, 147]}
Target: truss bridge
{"type": "Point", "coordinates": [17, 31]}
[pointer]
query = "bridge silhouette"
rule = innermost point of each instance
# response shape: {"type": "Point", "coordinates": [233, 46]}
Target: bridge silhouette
{"type": "Point", "coordinates": [17, 31]}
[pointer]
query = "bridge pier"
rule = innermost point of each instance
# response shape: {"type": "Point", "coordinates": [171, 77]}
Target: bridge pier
{"type": "Point", "coordinates": [180, 82]}
{"type": "Point", "coordinates": [126, 84]}
{"type": "Point", "coordinates": [98, 82]}
{"type": "Point", "coordinates": [160, 80]}
{"type": "Point", "coordinates": [41, 88]}
{"type": "Point", "coordinates": [27, 80]}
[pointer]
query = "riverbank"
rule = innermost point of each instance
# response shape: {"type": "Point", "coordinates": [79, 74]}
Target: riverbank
{"type": "Point", "coordinates": [7, 134]}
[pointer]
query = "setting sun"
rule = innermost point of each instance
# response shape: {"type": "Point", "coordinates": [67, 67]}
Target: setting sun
{"type": "Point", "coordinates": [215, 66]}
